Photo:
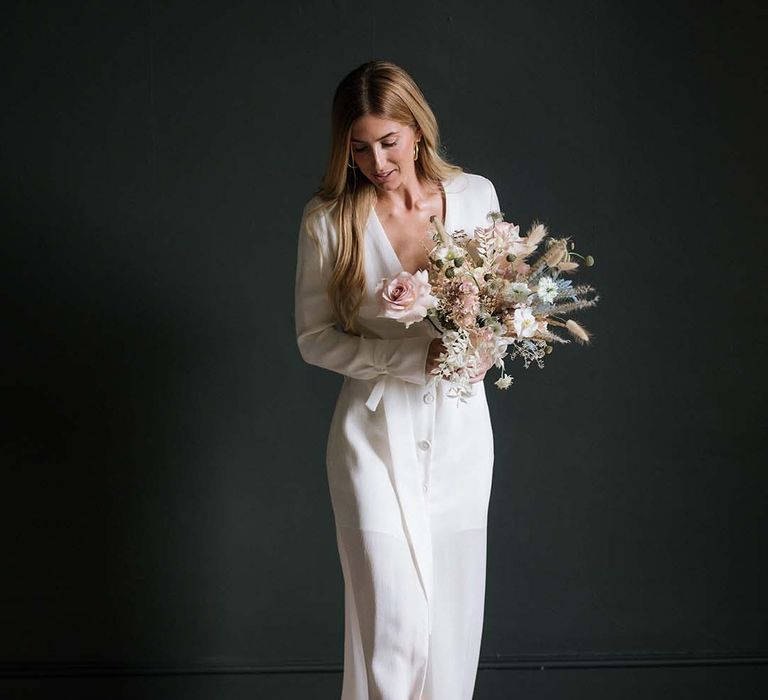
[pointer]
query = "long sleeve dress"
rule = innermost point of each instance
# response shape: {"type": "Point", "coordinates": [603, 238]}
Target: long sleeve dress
{"type": "Point", "coordinates": [409, 473]}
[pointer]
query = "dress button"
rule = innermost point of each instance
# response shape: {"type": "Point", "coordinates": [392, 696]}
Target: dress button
{"type": "Point", "coordinates": [425, 486]}
{"type": "Point", "coordinates": [428, 398]}
{"type": "Point", "coordinates": [424, 445]}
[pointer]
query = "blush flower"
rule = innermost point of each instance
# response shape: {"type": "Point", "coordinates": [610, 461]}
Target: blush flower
{"type": "Point", "coordinates": [406, 297]}
{"type": "Point", "coordinates": [466, 304]}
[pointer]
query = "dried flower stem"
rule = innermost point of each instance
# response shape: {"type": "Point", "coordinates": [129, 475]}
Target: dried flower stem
{"type": "Point", "coordinates": [574, 305]}
{"type": "Point", "coordinates": [435, 220]}
{"type": "Point", "coordinates": [582, 289]}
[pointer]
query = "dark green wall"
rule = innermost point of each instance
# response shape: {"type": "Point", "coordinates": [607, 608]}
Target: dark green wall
{"type": "Point", "coordinates": [165, 513]}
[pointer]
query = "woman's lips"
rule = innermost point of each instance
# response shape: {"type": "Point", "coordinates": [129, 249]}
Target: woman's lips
{"type": "Point", "coordinates": [382, 178]}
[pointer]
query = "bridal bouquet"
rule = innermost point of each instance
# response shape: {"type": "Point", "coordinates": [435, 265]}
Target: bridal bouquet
{"type": "Point", "coordinates": [491, 295]}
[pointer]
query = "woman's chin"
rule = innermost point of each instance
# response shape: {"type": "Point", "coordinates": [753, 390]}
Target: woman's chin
{"type": "Point", "coordinates": [394, 181]}
{"type": "Point", "coordinates": [386, 183]}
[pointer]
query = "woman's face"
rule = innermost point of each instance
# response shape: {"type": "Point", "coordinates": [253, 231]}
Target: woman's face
{"type": "Point", "coordinates": [383, 151]}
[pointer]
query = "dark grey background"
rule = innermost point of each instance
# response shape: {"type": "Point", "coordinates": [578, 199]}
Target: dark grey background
{"type": "Point", "coordinates": [166, 524]}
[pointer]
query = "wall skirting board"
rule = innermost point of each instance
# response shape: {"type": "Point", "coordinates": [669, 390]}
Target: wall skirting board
{"type": "Point", "coordinates": [520, 662]}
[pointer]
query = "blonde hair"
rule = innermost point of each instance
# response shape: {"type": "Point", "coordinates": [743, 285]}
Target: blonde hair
{"type": "Point", "coordinates": [384, 90]}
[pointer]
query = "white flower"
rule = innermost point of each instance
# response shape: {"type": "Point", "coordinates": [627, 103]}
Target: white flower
{"type": "Point", "coordinates": [525, 323]}
{"type": "Point", "coordinates": [503, 382]}
{"type": "Point", "coordinates": [440, 253]}
{"type": "Point", "coordinates": [547, 289]}
{"type": "Point", "coordinates": [515, 292]}
{"type": "Point", "coordinates": [446, 252]}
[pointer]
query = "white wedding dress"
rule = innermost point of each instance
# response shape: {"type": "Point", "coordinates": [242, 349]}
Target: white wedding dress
{"type": "Point", "coordinates": [409, 473]}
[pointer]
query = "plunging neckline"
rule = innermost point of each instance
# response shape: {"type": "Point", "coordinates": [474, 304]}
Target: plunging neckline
{"type": "Point", "coordinates": [388, 244]}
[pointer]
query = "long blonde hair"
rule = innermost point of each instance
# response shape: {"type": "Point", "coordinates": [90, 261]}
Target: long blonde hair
{"type": "Point", "coordinates": [384, 90]}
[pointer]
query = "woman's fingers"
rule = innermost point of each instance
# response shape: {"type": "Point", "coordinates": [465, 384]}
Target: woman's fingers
{"type": "Point", "coordinates": [478, 377]}
{"type": "Point", "coordinates": [481, 370]}
{"type": "Point", "coordinates": [435, 349]}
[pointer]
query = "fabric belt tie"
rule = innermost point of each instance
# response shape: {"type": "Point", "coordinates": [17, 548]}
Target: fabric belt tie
{"type": "Point", "coordinates": [377, 392]}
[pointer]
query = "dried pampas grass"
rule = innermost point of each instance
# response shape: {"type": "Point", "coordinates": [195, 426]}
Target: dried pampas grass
{"type": "Point", "coordinates": [536, 234]}
{"type": "Point", "coordinates": [577, 331]}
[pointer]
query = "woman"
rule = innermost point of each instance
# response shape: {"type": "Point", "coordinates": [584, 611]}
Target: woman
{"type": "Point", "coordinates": [409, 469]}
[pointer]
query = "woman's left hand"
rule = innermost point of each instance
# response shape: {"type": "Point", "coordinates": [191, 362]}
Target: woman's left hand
{"type": "Point", "coordinates": [479, 374]}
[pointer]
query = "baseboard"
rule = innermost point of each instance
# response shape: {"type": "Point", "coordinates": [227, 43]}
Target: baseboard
{"type": "Point", "coordinates": [630, 659]}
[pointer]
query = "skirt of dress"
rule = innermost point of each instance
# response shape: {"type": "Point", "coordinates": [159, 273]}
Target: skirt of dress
{"type": "Point", "coordinates": [389, 651]}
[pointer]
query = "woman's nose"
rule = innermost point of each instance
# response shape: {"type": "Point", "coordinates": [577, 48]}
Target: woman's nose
{"type": "Point", "coordinates": [378, 158]}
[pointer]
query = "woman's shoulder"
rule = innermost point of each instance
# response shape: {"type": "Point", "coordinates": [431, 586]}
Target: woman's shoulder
{"type": "Point", "coordinates": [317, 213]}
{"type": "Point", "coordinates": [317, 224]}
{"type": "Point", "coordinates": [316, 208]}
{"type": "Point", "coordinates": [470, 184]}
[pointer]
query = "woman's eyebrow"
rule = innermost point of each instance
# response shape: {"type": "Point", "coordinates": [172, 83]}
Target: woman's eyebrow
{"type": "Point", "coordinates": [391, 133]}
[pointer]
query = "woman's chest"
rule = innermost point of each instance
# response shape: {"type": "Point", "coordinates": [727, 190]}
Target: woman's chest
{"type": "Point", "coordinates": [410, 235]}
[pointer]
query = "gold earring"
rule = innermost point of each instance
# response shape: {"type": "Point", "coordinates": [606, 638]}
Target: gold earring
{"type": "Point", "coordinates": [416, 152]}
{"type": "Point", "coordinates": [351, 164]}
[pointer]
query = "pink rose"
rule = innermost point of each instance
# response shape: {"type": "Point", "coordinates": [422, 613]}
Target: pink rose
{"type": "Point", "coordinates": [406, 298]}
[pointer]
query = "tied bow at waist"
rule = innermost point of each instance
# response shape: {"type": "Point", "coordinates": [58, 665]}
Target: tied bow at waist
{"type": "Point", "coordinates": [374, 398]}
{"type": "Point", "coordinates": [377, 392]}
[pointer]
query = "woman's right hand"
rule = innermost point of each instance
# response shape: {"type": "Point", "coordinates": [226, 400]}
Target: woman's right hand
{"type": "Point", "coordinates": [436, 348]}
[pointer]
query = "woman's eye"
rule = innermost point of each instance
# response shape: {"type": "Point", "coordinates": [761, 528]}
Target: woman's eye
{"type": "Point", "coordinates": [360, 149]}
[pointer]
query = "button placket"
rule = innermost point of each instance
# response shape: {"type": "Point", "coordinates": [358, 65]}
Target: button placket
{"type": "Point", "coordinates": [425, 445]}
